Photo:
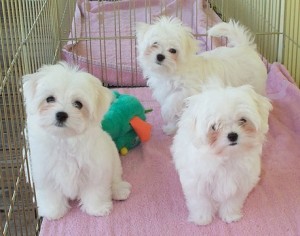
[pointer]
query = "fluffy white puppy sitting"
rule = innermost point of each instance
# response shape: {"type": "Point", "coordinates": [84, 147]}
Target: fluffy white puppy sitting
{"type": "Point", "coordinates": [71, 156]}
{"type": "Point", "coordinates": [217, 151]}
{"type": "Point", "coordinates": [167, 54]}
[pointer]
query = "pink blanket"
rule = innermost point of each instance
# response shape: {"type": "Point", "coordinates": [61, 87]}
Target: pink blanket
{"type": "Point", "coordinates": [156, 205]}
{"type": "Point", "coordinates": [114, 58]}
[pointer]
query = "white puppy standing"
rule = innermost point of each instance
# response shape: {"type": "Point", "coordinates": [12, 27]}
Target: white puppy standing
{"type": "Point", "coordinates": [167, 54]}
{"type": "Point", "coordinates": [217, 150]}
{"type": "Point", "coordinates": [71, 156]}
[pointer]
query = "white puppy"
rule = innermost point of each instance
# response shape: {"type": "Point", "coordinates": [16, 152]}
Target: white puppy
{"type": "Point", "coordinates": [71, 156]}
{"type": "Point", "coordinates": [217, 150]}
{"type": "Point", "coordinates": [167, 54]}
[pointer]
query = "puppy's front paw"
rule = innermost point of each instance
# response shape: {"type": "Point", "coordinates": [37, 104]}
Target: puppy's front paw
{"type": "Point", "coordinates": [53, 212]}
{"type": "Point", "coordinates": [98, 209]}
{"type": "Point", "coordinates": [121, 190]}
{"type": "Point", "coordinates": [51, 204]}
{"type": "Point", "coordinates": [200, 218]}
{"type": "Point", "coordinates": [230, 215]}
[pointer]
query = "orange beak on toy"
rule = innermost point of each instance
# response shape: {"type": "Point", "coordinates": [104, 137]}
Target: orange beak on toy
{"type": "Point", "coordinates": [142, 128]}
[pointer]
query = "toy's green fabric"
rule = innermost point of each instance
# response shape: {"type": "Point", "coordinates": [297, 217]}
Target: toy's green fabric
{"type": "Point", "coordinates": [117, 120]}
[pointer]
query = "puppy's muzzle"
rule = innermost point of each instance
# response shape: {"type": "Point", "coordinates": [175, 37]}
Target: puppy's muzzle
{"type": "Point", "coordinates": [233, 137]}
{"type": "Point", "coordinates": [61, 117]}
{"type": "Point", "coordinates": [160, 58]}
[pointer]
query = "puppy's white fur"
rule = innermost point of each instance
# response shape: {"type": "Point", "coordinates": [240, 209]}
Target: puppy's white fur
{"type": "Point", "coordinates": [71, 156]}
{"type": "Point", "coordinates": [217, 150]}
{"type": "Point", "coordinates": [167, 54]}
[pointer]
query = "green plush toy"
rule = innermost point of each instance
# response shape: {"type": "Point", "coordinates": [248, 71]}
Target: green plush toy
{"type": "Point", "coordinates": [125, 122]}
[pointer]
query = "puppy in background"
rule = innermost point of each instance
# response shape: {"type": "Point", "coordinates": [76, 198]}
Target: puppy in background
{"type": "Point", "coordinates": [71, 156]}
{"type": "Point", "coordinates": [167, 54]}
{"type": "Point", "coordinates": [217, 151]}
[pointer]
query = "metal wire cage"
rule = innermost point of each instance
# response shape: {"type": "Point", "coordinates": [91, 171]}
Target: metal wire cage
{"type": "Point", "coordinates": [33, 33]}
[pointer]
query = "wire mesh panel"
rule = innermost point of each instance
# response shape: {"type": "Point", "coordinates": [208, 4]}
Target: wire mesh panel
{"type": "Point", "coordinates": [291, 45]}
{"type": "Point", "coordinates": [29, 37]}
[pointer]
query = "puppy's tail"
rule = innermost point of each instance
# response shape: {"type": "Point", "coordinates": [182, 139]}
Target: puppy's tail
{"type": "Point", "coordinates": [236, 34]}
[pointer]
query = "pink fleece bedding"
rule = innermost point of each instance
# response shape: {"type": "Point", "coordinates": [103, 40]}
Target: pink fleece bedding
{"type": "Point", "coordinates": [112, 59]}
{"type": "Point", "coordinates": [156, 205]}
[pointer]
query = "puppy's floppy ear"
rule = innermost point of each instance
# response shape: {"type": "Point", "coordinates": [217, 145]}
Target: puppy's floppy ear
{"type": "Point", "coordinates": [140, 29]}
{"type": "Point", "coordinates": [263, 105]}
{"type": "Point", "coordinates": [101, 100]}
{"type": "Point", "coordinates": [190, 119]}
{"type": "Point", "coordinates": [106, 98]}
{"type": "Point", "coordinates": [30, 82]}
{"type": "Point", "coordinates": [191, 43]}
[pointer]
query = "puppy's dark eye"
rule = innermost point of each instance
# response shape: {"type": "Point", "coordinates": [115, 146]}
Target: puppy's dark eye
{"type": "Point", "coordinates": [242, 121]}
{"type": "Point", "coordinates": [172, 50]}
{"type": "Point", "coordinates": [155, 44]}
{"type": "Point", "coordinates": [50, 99]}
{"type": "Point", "coordinates": [213, 127]}
{"type": "Point", "coordinates": [77, 104]}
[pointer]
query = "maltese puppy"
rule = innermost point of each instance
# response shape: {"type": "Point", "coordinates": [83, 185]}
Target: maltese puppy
{"type": "Point", "coordinates": [217, 150]}
{"type": "Point", "coordinates": [71, 156]}
{"type": "Point", "coordinates": [167, 54]}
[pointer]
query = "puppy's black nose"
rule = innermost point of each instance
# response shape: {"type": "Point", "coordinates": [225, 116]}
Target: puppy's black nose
{"type": "Point", "coordinates": [232, 136]}
{"type": "Point", "coordinates": [160, 57]}
{"type": "Point", "coordinates": [61, 116]}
